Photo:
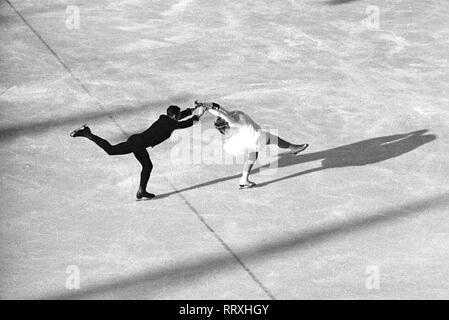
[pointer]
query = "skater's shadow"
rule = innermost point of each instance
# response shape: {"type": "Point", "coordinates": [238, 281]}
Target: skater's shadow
{"type": "Point", "coordinates": [337, 2]}
{"type": "Point", "coordinates": [356, 154]}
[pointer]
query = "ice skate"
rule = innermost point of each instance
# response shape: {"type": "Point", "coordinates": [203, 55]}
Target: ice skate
{"type": "Point", "coordinates": [143, 195]}
{"type": "Point", "coordinates": [248, 184]}
{"type": "Point", "coordinates": [83, 131]}
{"type": "Point", "coordinates": [299, 148]}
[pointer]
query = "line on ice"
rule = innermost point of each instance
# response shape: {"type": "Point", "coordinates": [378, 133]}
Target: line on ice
{"type": "Point", "coordinates": [177, 8]}
{"type": "Point", "coordinates": [224, 244]}
{"type": "Point", "coordinates": [66, 67]}
{"type": "Point", "coordinates": [305, 239]}
{"type": "Point", "coordinates": [4, 91]}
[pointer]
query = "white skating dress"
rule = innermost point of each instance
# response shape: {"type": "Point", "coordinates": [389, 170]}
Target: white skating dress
{"type": "Point", "coordinates": [244, 135]}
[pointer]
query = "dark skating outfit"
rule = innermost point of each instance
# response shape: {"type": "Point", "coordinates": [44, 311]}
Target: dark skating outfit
{"type": "Point", "coordinates": [158, 132]}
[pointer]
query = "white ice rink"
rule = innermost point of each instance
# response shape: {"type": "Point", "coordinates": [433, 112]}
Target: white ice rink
{"type": "Point", "coordinates": [362, 214]}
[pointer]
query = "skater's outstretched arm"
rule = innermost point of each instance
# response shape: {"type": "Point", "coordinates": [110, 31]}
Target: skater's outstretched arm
{"type": "Point", "coordinates": [185, 113]}
{"type": "Point", "coordinates": [231, 118]}
{"type": "Point", "coordinates": [187, 123]}
{"type": "Point", "coordinates": [189, 111]}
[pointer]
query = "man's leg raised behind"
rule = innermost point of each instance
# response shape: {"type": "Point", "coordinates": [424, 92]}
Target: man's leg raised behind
{"type": "Point", "coordinates": [112, 150]}
{"type": "Point", "coordinates": [121, 148]}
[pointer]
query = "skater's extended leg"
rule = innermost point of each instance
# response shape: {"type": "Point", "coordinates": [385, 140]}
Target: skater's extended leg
{"type": "Point", "coordinates": [121, 148]}
{"type": "Point", "coordinates": [247, 167]}
{"type": "Point", "coordinates": [281, 143]}
{"type": "Point", "coordinates": [147, 166]}
{"type": "Point", "coordinates": [135, 144]}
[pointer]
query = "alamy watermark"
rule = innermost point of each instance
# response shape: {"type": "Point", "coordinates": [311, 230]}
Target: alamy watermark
{"type": "Point", "coordinates": [73, 279]}
{"type": "Point", "coordinates": [207, 147]}
{"type": "Point", "coordinates": [372, 21]}
{"type": "Point", "coordinates": [372, 282]}
{"type": "Point", "coordinates": [72, 21]}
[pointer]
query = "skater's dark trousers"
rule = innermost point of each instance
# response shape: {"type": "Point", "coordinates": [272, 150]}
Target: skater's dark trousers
{"type": "Point", "coordinates": [136, 145]}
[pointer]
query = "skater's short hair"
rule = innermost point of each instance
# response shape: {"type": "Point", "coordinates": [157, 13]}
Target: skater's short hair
{"type": "Point", "coordinates": [173, 111]}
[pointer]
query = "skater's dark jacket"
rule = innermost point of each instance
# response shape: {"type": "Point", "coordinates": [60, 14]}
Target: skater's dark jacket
{"type": "Point", "coordinates": [162, 129]}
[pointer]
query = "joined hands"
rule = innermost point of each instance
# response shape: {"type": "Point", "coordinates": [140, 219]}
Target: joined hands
{"type": "Point", "coordinates": [207, 105]}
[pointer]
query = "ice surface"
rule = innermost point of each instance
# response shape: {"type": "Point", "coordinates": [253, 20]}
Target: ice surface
{"type": "Point", "coordinates": [371, 190]}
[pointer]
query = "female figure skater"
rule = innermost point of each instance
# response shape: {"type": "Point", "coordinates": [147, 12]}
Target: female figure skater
{"type": "Point", "coordinates": [244, 136]}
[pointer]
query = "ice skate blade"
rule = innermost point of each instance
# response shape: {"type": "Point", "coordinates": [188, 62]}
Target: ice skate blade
{"type": "Point", "coordinates": [146, 198]}
{"type": "Point", "coordinates": [72, 134]}
{"type": "Point", "coordinates": [246, 186]}
{"type": "Point", "coordinates": [304, 148]}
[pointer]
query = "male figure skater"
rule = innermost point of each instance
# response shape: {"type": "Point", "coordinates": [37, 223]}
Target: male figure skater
{"type": "Point", "coordinates": [137, 144]}
{"type": "Point", "coordinates": [244, 136]}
